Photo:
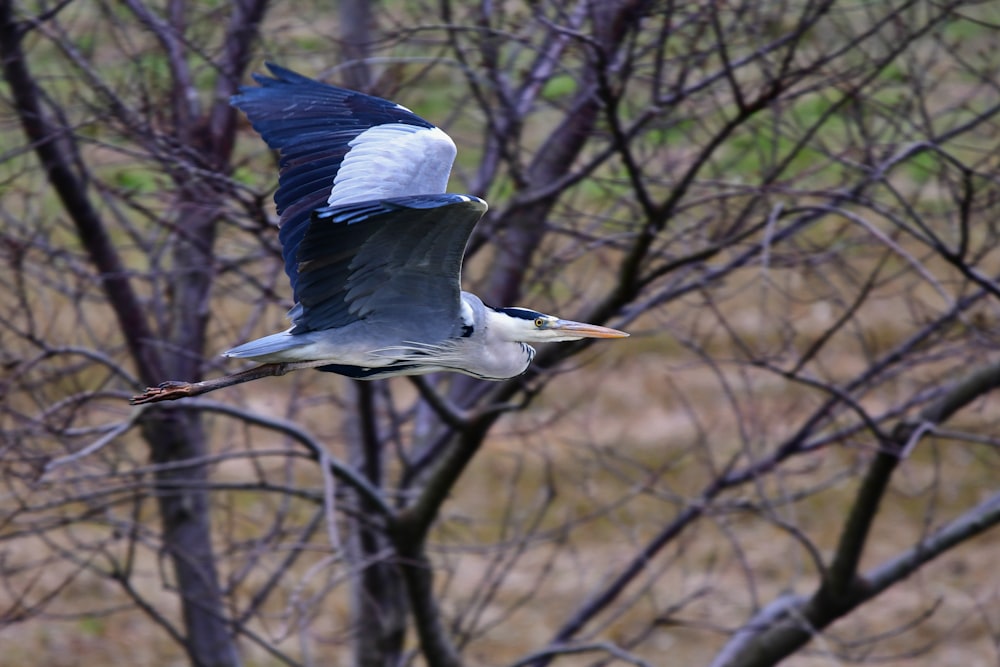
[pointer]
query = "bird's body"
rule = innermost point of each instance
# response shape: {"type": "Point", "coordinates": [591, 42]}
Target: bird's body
{"type": "Point", "coordinates": [353, 350]}
{"type": "Point", "coordinates": [373, 247]}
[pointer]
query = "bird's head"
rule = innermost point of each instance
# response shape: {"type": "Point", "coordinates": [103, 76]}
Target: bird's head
{"type": "Point", "coordinates": [528, 326]}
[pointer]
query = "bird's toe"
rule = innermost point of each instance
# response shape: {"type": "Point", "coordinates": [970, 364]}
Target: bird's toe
{"type": "Point", "coordinates": [165, 391]}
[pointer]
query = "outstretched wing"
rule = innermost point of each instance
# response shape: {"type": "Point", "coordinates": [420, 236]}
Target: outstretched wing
{"type": "Point", "coordinates": [340, 147]}
{"type": "Point", "coordinates": [395, 263]}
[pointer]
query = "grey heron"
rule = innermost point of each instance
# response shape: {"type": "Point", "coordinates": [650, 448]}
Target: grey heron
{"type": "Point", "coordinates": [373, 248]}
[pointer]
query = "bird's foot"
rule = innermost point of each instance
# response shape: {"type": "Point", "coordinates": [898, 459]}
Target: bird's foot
{"type": "Point", "coordinates": [165, 391]}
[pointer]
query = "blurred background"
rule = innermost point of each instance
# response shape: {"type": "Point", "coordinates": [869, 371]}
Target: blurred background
{"type": "Point", "coordinates": [792, 206]}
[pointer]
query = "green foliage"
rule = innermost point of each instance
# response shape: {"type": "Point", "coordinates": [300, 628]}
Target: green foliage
{"type": "Point", "coordinates": [93, 626]}
{"type": "Point", "coordinates": [559, 86]}
{"type": "Point", "coordinates": [137, 180]}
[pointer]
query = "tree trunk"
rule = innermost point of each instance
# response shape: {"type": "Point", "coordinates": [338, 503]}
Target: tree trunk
{"type": "Point", "coordinates": [177, 435]}
{"type": "Point", "coordinates": [380, 611]}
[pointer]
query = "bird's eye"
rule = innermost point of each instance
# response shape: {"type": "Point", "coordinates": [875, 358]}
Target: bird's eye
{"type": "Point", "coordinates": [539, 322]}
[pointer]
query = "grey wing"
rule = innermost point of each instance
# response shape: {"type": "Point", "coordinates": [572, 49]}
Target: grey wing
{"type": "Point", "coordinates": [339, 146]}
{"type": "Point", "coordinates": [395, 263]}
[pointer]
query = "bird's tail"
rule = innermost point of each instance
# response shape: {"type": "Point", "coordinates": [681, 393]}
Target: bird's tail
{"type": "Point", "coordinates": [262, 347]}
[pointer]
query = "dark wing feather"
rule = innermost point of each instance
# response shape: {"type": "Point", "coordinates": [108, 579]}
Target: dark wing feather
{"type": "Point", "coordinates": [395, 262]}
{"type": "Point", "coordinates": [313, 124]}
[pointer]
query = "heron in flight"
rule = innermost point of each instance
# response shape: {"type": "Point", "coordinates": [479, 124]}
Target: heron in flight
{"type": "Point", "coordinates": [373, 248]}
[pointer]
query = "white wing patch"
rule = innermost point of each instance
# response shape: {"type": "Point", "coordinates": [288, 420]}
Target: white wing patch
{"type": "Point", "coordinates": [394, 160]}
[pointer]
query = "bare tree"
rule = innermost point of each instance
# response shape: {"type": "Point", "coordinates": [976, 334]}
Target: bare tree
{"type": "Point", "coordinates": [192, 152]}
{"type": "Point", "coordinates": [792, 206]}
